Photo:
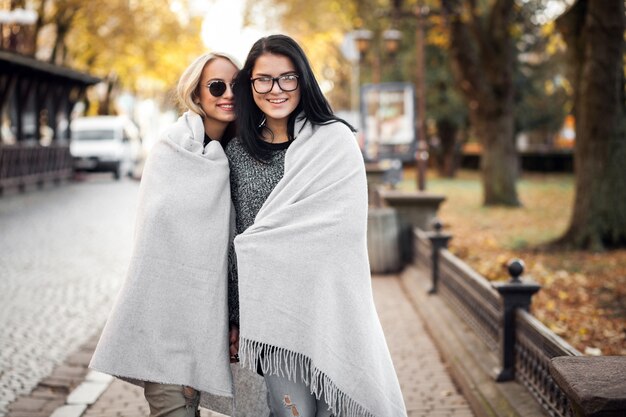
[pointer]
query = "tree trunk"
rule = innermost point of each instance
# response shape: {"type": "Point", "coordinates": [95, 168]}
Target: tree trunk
{"type": "Point", "coordinates": [63, 21]}
{"type": "Point", "coordinates": [499, 161]}
{"type": "Point", "coordinates": [41, 9]}
{"type": "Point", "coordinates": [594, 33]}
{"type": "Point", "coordinates": [447, 157]}
{"type": "Point", "coordinates": [483, 57]}
{"type": "Point", "coordinates": [105, 104]}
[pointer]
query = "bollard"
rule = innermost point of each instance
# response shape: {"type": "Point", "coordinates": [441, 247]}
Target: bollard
{"type": "Point", "coordinates": [415, 209]}
{"type": "Point", "coordinates": [515, 294]}
{"type": "Point", "coordinates": [382, 240]}
{"type": "Point", "coordinates": [438, 241]}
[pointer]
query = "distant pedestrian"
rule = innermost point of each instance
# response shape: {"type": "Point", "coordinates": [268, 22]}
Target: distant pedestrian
{"type": "Point", "coordinates": [168, 330]}
{"type": "Point", "coordinates": [306, 313]}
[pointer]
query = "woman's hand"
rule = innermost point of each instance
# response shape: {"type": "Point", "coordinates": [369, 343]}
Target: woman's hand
{"type": "Point", "coordinates": [233, 338]}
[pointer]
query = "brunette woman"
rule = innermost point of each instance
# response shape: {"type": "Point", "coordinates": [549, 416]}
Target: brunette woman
{"type": "Point", "coordinates": [306, 314]}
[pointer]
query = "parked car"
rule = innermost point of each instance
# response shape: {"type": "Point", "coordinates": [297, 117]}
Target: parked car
{"type": "Point", "coordinates": [105, 143]}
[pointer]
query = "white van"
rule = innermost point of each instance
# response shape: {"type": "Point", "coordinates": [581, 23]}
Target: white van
{"type": "Point", "coordinates": [105, 143]}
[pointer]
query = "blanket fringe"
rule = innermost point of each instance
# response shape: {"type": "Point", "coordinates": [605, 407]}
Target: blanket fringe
{"type": "Point", "coordinates": [285, 363]}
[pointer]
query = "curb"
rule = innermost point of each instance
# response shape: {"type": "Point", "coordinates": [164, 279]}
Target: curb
{"type": "Point", "coordinates": [84, 395]}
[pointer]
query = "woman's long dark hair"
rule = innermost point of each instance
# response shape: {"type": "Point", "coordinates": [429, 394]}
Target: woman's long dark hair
{"type": "Point", "coordinates": [312, 102]}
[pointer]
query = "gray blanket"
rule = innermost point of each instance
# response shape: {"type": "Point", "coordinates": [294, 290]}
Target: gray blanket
{"type": "Point", "coordinates": [306, 303]}
{"type": "Point", "coordinates": [170, 321]}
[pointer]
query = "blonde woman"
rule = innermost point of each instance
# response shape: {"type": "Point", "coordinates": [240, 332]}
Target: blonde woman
{"type": "Point", "coordinates": [168, 330]}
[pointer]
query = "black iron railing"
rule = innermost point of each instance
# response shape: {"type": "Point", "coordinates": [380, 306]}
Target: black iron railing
{"type": "Point", "coordinates": [499, 315]}
{"type": "Point", "coordinates": [467, 292]}
{"type": "Point", "coordinates": [472, 298]}
{"type": "Point", "coordinates": [22, 165]}
{"type": "Point", "coordinates": [535, 346]}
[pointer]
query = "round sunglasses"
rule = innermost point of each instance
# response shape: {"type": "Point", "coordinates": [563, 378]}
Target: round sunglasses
{"type": "Point", "coordinates": [217, 88]}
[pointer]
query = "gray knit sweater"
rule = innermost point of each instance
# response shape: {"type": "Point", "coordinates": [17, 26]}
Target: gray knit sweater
{"type": "Point", "coordinates": [251, 182]}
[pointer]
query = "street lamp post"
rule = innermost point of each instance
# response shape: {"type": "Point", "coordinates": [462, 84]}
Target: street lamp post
{"type": "Point", "coordinates": [391, 39]}
{"type": "Point", "coordinates": [390, 42]}
{"type": "Point", "coordinates": [421, 154]}
{"type": "Point", "coordinates": [362, 39]}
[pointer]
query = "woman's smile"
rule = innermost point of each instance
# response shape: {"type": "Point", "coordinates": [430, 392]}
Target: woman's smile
{"type": "Point", "coordinates": [229, 107]}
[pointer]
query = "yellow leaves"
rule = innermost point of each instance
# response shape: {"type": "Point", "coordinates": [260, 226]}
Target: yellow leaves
{"type": "Point", "coordinates": [502, 259]}
{"type": "Point", "coordinates": [437, 33]}
{"type": "Point", "coordinates": [142, 42]}
{"type": "Point", "coordinates": [490, 242]}
{"type": "Point", "coordinates": [548, 29]}
{"type": "Point", "coordinates": [438, 38]}
{"type": "Point", "coordinates": [609, 333]}
{"type": "Point", "coordinates": [335, 6]}
{"type": "Point", "coordinates": [555, 44]}
{"type": "Point", "coordinates": [516, 31]}
{"type": "Point", "coordinates": [558, 328]}
{"type": "Point", "coordinates": [582, 295]}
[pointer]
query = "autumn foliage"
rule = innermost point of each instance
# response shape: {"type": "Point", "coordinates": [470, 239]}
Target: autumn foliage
{"type": "Point", "coordinates": [583, 298]}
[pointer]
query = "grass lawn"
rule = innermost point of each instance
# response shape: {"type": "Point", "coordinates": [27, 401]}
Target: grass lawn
{"type": "Point", "coordinates": [583, 298]}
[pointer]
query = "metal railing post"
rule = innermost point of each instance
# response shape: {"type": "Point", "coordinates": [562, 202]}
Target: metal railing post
{"type": "Point", "coordinates": [438, 240]}
{"type": "Point", "coordinates": [515, 294]}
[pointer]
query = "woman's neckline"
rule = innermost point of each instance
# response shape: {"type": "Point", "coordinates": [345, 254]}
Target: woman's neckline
{"type": "Point", "coordinates": [275, 146]}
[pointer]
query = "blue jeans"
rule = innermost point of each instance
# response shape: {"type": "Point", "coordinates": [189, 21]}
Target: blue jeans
{"type": "Point", "coordinates": [292, 399]}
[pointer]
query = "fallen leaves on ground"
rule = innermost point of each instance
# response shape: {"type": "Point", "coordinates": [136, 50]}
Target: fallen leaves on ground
{"type": "Point", "coordinates": [583, 295]}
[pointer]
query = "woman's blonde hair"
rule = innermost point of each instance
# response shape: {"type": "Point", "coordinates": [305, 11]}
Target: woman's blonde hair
{"type": "Point", "coordinates": [188, 89]}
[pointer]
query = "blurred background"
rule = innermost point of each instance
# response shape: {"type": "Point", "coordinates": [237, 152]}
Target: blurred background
{"type": "Point", "coordinates": [139, 48]}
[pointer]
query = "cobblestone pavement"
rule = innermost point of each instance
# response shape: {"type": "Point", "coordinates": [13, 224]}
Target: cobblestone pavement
{"type": "Point", "coordinates": [426, 385]}
{"type": "Point", "coordinates": [427, 388]}
{"type": "Point", "coordinates": [63, 254]}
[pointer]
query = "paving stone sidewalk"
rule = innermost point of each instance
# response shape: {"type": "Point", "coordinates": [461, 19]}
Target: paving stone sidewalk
{"type": "Point", "coordinates": [426, 385]}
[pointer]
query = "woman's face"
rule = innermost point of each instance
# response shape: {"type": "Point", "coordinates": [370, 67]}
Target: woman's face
{"type": "Point", "coordinates": [276, 104]}
{"type": "Point", "coordinates": [221, 108]}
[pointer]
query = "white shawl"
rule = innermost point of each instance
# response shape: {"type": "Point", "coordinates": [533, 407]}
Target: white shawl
{"type": "Point", "coordinates": [170, 321]}
{"type": "Point", "coordinates": [305, 291]}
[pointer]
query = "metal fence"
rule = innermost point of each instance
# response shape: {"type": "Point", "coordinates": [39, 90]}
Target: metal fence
{"type": "Point", "coordinates": [22, 165]}
{"type": "Point", "coordinates": [472, 297]}
{"type": "Point", "coordinates": [535, 346]}
{"type": "Point", "coordinates": [476, 300]}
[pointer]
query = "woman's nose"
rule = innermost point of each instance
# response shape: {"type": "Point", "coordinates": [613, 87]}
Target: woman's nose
{"type": "Point", "coordinates": [277, 87]}
{"type": "Point", "coordinates": [229, 91]}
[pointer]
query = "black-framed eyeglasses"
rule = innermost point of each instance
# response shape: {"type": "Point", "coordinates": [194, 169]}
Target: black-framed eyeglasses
{"type": "Point", "coordinates": [264, 85]}
{"type": "Point", "coordinates": [217, 88]}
